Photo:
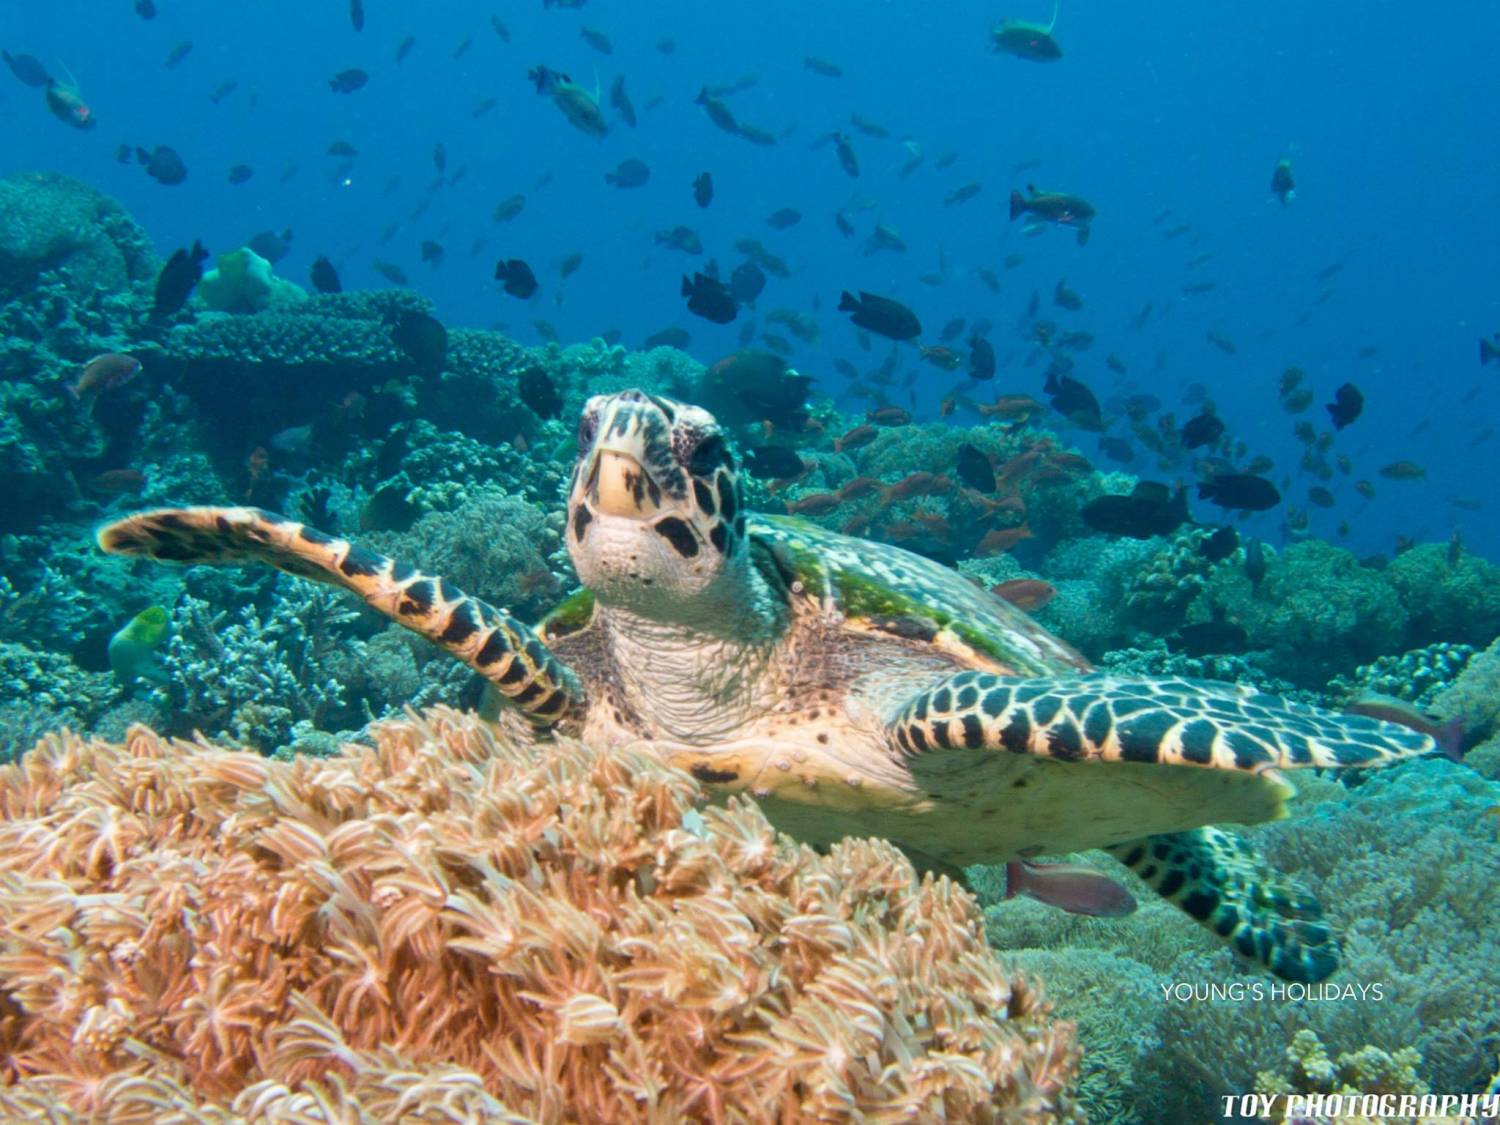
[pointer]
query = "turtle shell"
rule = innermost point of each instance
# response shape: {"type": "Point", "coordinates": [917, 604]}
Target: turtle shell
{"type": "Point", "coordinates": [877, 588]}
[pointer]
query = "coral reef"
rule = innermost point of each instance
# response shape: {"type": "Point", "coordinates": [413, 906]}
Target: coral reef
{"type": "Point", "coordinates": [1418, 676]}
{"type": "Point", "coordinates": [457, 923]}
{"type": "Point", "coordinates": [50, 222]}
{"type": "Point", "coordinates": [1368, 1070]}
{"type": "Point", "coordinates": [1404, 868]}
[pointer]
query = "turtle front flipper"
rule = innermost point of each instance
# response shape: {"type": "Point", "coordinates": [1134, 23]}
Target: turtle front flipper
{"type": "Point", "coordinates": [1221, 881]}
{"type": "Point", "coordinates": [1170, 722]}
{"type": "Point", "coordinates": [503, 650]}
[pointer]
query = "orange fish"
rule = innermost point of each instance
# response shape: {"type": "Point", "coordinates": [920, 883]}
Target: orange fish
{"type": "Point", "coordinates": [1029, 594]}
{"type": "Point", "coordinates": [998, 542]}
{"type": "Point", "coordinates": [920, 483]}
{"type": "Point", "coordinates": [1013, 408]}
{"type": "Point", "coordinates": [818, 504]}
{"type": "Point", "coordinates": [859, 486]}
{"type": "Point", "coordinates": [889, 416]}
{"type": "Point", "coordinates": [856, 438]}
{"type": "Point", "coordinates": [104, 373]}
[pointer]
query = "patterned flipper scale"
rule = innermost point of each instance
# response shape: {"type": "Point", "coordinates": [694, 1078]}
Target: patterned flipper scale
{"type": "Point", "coordinates": [500, 648]}
{"type": "Point", "coordinates": [1169, 722]}
{"type": "Point", "coordinates": [1219, 880]}
{"type": "Point", "coordinates": [1211, 875]}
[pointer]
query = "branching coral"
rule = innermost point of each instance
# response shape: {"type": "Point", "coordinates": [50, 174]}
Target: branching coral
{"type": "Point", "coordinates": [459, 922]}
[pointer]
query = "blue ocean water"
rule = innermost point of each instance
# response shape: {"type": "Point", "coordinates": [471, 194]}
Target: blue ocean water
{"type": "Point", "coordinates": [1168, 107]}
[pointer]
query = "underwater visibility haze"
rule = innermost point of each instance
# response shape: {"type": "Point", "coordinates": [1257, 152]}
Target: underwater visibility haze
{"type": "Point", "coordinates": [576, 561]}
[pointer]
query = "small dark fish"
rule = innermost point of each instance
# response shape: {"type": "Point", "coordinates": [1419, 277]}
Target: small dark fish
{"type": "Point", "coordinates": [1117, 449]}
{"type": "Point", "coordinates": [404, 48]}
{"type": "Point", "coordinates": [432, 252]}
{"type": "Point", "coordinates": [703, 189]}
{"type": "Point", "coordinates": [1202, 429]}
{"type": "Point", "coordinates": [962, 194]}
{"type": "Point", "coordinates": [500, 28]}
{"type": "Point", "coordinates": [440, 158]}
{"type": "Point", "coordinates": [240, 173]}
{"type": "Point", "coordinates": [1220, 545]}
{"type": "Point", "coordinates": [1403, 470]}
{"type": "Point", "coordinates": [719, 113]}
{"type": "Point", "coordinates": [1320, 496]}
{"type": "Point", "coordinates": [390, 271]}
{"type": "Point", "coordinates": [1198, 288]}
{"type": "Point", "coordinates": [869, 128]}
{"type": "Point", "coordinates": [223, 90]}
{"type": "Point", "coordinates": [508, 208]}
{"type": "Point", "coordinates": [1208, 638]}
{"type": "Point", "coordinates": [27, 68]}
{"type": "Point", "coordinates": [981, 358]}
{"type": "Point", "coordinates": [746, 282]}
{"type": "Point", "coordinates": [519, 280]}
{"type": "Point", "coordinates": [680, 238]}
{"type": "Point", "coordinates": [325, 279]}
{"type": "Point", "coordinates": [709, 298]}
{"type": "Point", "coordinates": [538, 390]}
{"type": "Point", "coordinates": [1489, 350]}
{"type": "Point", "coordinates": [422, 338]}
{"type": "Point", "coordinates": [175, 283]}
{"type": "Point", "coordinates": [952, 330]}
{"type": "Point", "coordinates": [1065, 298]}
{"type": "Point", "coordinates": [823, 67]}
{"type": "Point", "coordinates": [783, 218]}
{"type": "Point", "coordinates": [271, 246]}
{"type": "Point", "coordinates": [975, 469]}
{"type": "Point", "coordinates": [1150, 509]}
{"type": "Point", "coordinates": [848, 161]}
{"type": "Point", "coordinates": [1282, 184]}
{"type": "Point", "coordinates": [348, 81]}
{"type": "Point", "coordinates": [343, 149]}
{"type": "Point", "coordinates": [1055, 207]}
{"type": "Point", "coordinates": [1030, 41]}
{"type": "Point", "coordinates": [178, 52]}
{"type": "Point", "coordinates": [1074, 401]}
{"type": "Point", "coordinates": [357, 14]}
{"type": "Point", "coordinates": [666, 46]}
{"type": "Point", "coordinates": [881, 315]}
{"type": "Point", "coordinates": [146, 9]}
{"type": "Point", "coordinates": [621, 102]}
{"type": "Point", "coordinates": [667, 338]}
{"type": "Point", "coordinates": [462, 49]}
{"type": "Point", "coordinates": [162, 164]}
{"type": "Point", "coordinates": [631, 173]}
{"type": "Point", "coordinates": [1346, 405]}
{"type": "Point", "coordinates": [774, 462]}
{"type": "Point", "coordinates": [597, 40]}
{"type": "Point", "coordinates": [570, 263]}
{"type": "Point", "coordinates": [1255, 563]}
{"type": "Point", "coordinates": [1243, 491]}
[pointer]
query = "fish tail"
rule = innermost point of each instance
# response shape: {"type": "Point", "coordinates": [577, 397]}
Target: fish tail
{"type": "Point", "coordinates": [847, 303]}
{"type": "Point", "coordinates": [1017, 205]}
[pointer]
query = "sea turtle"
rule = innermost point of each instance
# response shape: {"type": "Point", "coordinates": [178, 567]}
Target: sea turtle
{"type": "Point", "coordinates": [852, 687]}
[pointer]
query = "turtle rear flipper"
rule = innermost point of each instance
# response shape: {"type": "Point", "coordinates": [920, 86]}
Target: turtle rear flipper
{"type": "Point", "coordinates": [1219, 880]}
{"type": "Point", "coordinates": [503, 650]}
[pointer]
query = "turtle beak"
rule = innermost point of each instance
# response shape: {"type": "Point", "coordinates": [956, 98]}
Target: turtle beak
{"type": "Point", "coordinates": [619, 486]}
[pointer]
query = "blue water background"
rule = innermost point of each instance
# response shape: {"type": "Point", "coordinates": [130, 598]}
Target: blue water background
{"type": "Point", "coordinates": [1387, 113]}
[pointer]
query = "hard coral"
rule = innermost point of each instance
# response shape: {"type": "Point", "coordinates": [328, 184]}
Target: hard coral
{"type": "Point", "coordinates": [457, 921]}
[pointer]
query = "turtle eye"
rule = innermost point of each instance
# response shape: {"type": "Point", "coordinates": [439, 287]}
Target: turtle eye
{"type": "Point", "coordinates": [708, 455]}
{"type": "Point", "coordinates": [588, 429]}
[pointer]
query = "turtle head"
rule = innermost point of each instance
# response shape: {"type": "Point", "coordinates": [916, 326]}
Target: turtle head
{"type": "Point", "coordinates": [654, 518]}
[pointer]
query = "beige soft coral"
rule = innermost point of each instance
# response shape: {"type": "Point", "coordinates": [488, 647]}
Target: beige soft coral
{"type": "Point", "coordinates": [457, 924]}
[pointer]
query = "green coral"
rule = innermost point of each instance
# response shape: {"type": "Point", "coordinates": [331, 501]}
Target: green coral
{"type": "Point", "coordinates": [49, 222]}
{"type": "Point", "coordinates": [1447, 599]}
{"type": "Point", "coordinates": [1367, 1070]}
{"type": "Point", "coordinates": [1318, 612]}
{"type": "Point", "coordinates": [1418, 676]}
{"type": "Point", "coordinates": [242, 282]}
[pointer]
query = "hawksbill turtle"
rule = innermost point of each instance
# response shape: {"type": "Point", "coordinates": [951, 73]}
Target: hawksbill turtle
{"type": "Point", "coordinates": [851, 687]}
